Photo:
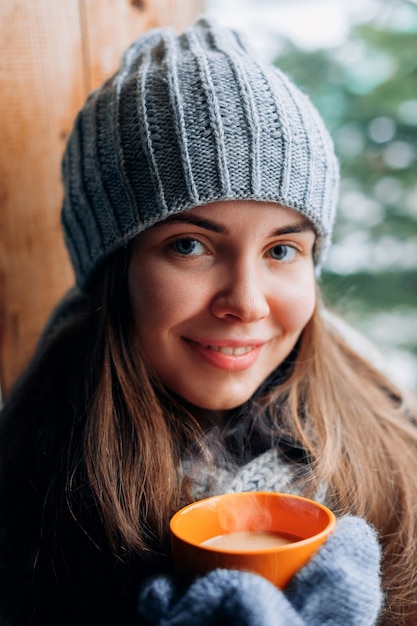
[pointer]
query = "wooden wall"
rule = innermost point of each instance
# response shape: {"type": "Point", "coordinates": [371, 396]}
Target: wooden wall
{"type": "Point", "coordinates": [53, 52]}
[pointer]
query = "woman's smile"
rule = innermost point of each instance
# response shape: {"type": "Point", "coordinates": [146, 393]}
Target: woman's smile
{"type": "Point", "coordinates": [220, 295]}
{"type": "Point", "coordinates": [229, 355]}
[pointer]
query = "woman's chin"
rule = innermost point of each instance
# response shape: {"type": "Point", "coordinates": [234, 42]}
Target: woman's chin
{"type": "Point", "coordinates": [214, 403]}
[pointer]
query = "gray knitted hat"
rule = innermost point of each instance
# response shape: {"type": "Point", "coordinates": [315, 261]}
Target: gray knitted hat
{"type": "Point", "coordinates": [187, 120]}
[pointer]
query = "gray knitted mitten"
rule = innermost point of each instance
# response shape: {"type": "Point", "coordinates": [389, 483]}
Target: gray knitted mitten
{"type": "Point", "coordinates": [340, 586]}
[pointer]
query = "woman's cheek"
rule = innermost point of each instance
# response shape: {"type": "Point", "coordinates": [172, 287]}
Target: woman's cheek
{"type": "Point", "coordinates": [295, 307]}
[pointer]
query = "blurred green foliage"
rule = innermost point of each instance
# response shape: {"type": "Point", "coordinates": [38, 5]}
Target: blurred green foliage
{"type": "Point", "coordinates": [366, 90]}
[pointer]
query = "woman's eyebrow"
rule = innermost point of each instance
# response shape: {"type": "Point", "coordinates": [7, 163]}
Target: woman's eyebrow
{"type": "Point", "coordinates": [195, 221]}
{"type": "Point", "coordinates": [297, 227]}
{"type": "Point", "coordinates": [300, 226]}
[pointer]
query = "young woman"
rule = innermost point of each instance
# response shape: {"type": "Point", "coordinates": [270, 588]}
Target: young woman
{"type": "Point", "coordinates": [194, 357]}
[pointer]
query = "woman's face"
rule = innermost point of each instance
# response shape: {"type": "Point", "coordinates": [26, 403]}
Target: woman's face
{"type": "Point", "coordinates": [220, 295]}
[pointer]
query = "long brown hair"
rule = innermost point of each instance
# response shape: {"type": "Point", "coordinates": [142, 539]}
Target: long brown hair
{"type": "Point", "coordinates": [128, 435]}
{"type": "Point", "coordinates": [362, 443]}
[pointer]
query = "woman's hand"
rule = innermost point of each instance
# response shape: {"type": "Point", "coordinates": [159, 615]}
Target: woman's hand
{"type": "Point", "coordinates": [340, 585]}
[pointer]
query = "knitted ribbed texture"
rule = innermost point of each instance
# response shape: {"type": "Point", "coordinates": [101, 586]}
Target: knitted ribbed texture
{"type": "Point", "coordinates": [187, 120]}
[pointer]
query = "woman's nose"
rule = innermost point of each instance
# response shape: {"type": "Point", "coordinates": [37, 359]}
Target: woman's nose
{"type": "Point", "coordinates": [242, 294]}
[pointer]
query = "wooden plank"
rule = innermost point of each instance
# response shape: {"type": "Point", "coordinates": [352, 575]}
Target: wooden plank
{"type": "Point", "coordinates": [41, 83]}
{"type": "Point", "coordinates": [54, 52]}
{"type": "Point", "coordinates": [109, 27]}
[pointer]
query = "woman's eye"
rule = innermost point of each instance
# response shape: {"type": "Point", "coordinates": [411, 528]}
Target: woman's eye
{"type": "Point", "coordinates": [187, 246]}
{"type": "Point", "coordinates": [282, 252]}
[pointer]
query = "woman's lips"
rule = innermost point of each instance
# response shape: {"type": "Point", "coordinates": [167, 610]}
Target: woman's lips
{"type": "Point", "coordinates": [227, 356]}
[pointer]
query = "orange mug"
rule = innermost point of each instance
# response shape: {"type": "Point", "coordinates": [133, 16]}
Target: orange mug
{"type": "Point", "coordinates": [271, 534]}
